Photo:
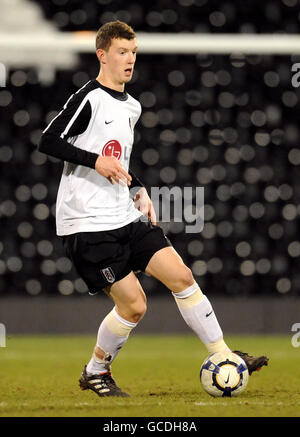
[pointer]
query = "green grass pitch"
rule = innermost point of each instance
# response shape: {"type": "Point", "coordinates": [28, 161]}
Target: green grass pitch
{"type": "Point", "coordinates": [39, 378]}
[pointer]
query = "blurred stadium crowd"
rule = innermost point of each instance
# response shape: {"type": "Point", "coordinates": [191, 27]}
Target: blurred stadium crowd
{"type": "Point", "coordinates": [251, 16]}
{"type": "Point", "coordinates": [227, 123]}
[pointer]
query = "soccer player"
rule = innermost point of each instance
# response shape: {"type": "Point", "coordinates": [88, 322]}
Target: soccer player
{"type": "Point", "coordinates": [100, 223]}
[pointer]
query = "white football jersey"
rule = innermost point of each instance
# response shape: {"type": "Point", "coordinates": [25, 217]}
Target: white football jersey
{"type": "Point", "coordinates": [99, 120]}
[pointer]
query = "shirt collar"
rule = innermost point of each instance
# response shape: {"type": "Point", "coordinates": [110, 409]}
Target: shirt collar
{"type": "Point", "coordinates": [119, 95]}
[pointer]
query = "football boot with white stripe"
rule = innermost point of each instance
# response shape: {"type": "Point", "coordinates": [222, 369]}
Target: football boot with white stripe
{"type": "Point", "coordinates": [253, 363]}
{"type": "Point", "coordinates": [102, 384]}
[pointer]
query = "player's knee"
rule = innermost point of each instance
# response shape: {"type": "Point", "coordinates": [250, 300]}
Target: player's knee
{"type": "Point", "coordinates": [184, 279]}
{"type": "Point", "coordinates": [138, 310]}
{"type": "Point", "coordinates": [138, 314]}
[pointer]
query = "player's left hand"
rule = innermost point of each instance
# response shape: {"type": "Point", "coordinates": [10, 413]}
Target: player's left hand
{"type": "Point", "coordinates": [144, 204]}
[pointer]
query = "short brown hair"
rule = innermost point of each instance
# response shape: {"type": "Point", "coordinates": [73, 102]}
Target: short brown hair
{"type": "Point", "coordinates": [113, 29]}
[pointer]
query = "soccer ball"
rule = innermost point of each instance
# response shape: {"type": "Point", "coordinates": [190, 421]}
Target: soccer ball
{"type": "Point", "coordinates": [224, 374]}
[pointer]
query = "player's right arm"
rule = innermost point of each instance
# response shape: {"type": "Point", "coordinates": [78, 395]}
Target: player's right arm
{"type": "Point", "coordinates": [73, 120]}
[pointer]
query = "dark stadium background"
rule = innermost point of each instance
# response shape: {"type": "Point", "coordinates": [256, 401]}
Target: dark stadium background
{"type": "Point", "coordinates": [227, 123]}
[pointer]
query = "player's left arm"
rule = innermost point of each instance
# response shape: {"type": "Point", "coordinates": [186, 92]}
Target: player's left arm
{"type": "Point", "coordinates": [142, 200]}
{"type": "Point", "coordinates": [144, 204]}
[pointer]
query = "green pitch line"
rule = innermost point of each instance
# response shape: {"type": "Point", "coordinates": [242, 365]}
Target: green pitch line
{"type": "Point", "coordinates": [39, 377]}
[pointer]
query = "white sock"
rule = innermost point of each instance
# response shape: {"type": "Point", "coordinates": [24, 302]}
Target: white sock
{"type": "Point", "coordinates": [112, 335]}
{"type": "Point", "coordinates": [198, 313]}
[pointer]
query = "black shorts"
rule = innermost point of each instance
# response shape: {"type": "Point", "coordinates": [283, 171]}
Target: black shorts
{"type": "Point", "coordinates": [102, 258]}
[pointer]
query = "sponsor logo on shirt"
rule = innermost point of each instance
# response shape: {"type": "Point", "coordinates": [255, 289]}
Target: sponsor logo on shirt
{"type": "Point", "coordinates": [112, 148]}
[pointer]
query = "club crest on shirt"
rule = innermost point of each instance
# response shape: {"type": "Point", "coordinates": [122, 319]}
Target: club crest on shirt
{"type": "Point", "coordinates": [108, 274]}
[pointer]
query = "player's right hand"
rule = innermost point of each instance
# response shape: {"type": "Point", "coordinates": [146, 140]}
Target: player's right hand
{"type": "Point", "coordinates": [111, 168]}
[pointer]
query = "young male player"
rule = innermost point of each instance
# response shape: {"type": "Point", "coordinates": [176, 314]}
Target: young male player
{"type": "Point", "coordinates": [99, 222]}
